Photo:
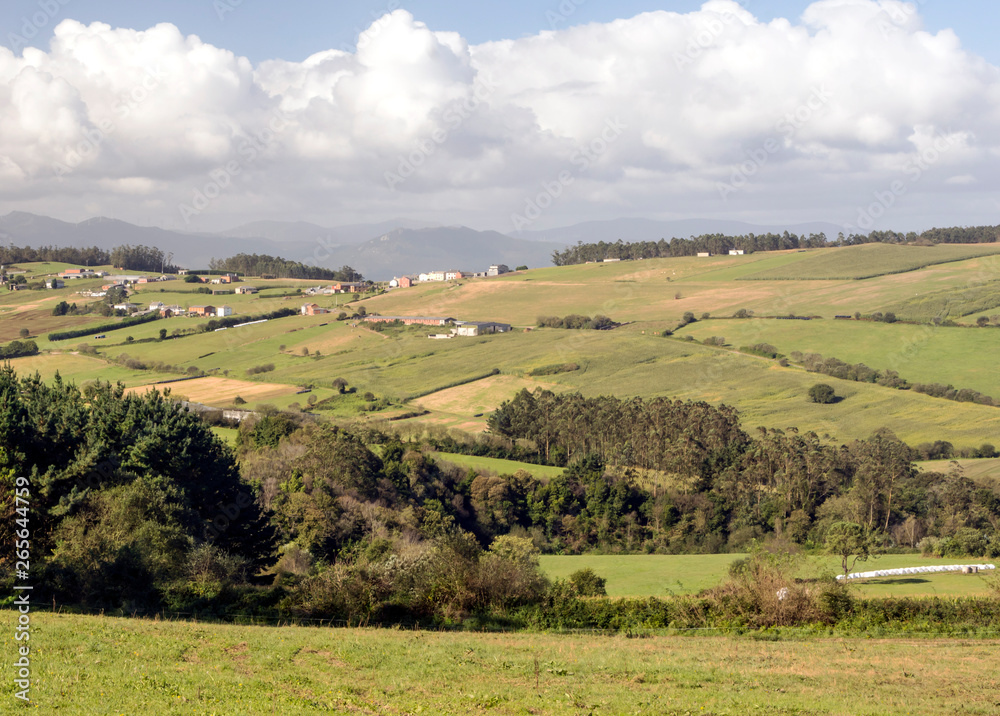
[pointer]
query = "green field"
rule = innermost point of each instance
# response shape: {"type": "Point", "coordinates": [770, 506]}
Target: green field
{"type": "Point", "coordinates": [962, 357]}
{"type": "Point", "coordinates": [661, 575]}
{"type": "Point", "coordinates": [500, 467]}
{"type": "Point", "coordinates": [107, 665]}
{"type": "Point", "coordinates": [984, 471]}
{"type": "Point", "coordinates": [870, 260]}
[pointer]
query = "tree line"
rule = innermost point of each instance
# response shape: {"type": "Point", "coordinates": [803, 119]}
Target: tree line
{"type": "Point", "coordinates": [751, 243]}
{"type": "Point", "coordinates": [92, 256]}
{"type": "Point", "coordinates": [264, 265]}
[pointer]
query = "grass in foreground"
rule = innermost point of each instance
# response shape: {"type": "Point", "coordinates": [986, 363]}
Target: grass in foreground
{"type": "Point", "coordinates": [88, 665]}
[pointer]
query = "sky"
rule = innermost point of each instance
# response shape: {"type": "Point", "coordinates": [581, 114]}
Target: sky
{"type": "Point", "coordinates": [202, 115]}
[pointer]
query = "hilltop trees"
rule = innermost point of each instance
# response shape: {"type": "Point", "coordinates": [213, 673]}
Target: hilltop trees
{"type": "Point", "coordinates": [264, 265]}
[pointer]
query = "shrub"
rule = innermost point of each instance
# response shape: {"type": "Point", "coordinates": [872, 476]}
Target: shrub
{"type": "Point", "coordinates": [586, 583]}
{"type": "Point", "coordinates": [822, 393]}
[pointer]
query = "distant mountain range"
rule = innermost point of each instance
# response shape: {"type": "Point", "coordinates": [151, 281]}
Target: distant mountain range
{"type": "Point", "coordinates": [378, 250]}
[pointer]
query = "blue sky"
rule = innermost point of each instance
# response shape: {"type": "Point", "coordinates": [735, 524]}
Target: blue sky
{"type": "Point", "coordinates": [295, 29]}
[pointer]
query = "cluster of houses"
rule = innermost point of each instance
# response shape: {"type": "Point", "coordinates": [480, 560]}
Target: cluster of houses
{"type": "Point", "coordinates": [453, 275]}
{"type": "Point", "coordinates": [203, 311]}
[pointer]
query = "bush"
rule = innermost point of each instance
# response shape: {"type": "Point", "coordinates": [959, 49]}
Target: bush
{"type": "Point", "coordinates": [586, 583]}
{"type": "Point", "coordinates": [822, 393]}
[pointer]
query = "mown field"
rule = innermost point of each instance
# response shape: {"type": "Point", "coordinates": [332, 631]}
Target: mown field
{"type": "Point", "coordinates": [107, 665]}
{"type": "Point", "coordinates": [661, 575]}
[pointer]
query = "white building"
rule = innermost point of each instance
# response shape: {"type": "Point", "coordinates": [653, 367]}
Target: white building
{"type": "Point", "coordinates": [497, 269]}
{"type": "Point", "coordinates": [736, 252]}
{"type": "Point", "coordinates": [223, 311]}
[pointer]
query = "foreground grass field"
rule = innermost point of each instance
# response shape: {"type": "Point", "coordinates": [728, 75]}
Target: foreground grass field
{"type": "Point", "coordinates": [661, 575]}
{"type": "Point", "coordinates": [105, 665]}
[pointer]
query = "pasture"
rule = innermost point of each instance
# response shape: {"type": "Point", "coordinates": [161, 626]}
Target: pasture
{"type": "Point", "coordinates": [962, 357]}
{"type": "Point", "coordinates": [92, 664]}
{"type": "Point", "coordinates": [661, 575]}
{"type": "Point", "coordinates": [494, 465]}
{"type": "Point", "coordinates": [869, 261]}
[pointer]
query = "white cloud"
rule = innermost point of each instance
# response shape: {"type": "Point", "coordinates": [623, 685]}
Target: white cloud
{"type": "Point", "coordinates": [834, 105]}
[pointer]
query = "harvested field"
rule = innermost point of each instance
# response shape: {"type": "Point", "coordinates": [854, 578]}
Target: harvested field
{"type": "Point", "coordinates": [221, 391]}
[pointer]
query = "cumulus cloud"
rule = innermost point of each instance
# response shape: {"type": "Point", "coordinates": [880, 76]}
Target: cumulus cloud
{"type": "Point", "coordinates": [711, 113]}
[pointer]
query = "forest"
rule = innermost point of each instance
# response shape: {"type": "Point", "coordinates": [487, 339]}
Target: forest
{"type": "Point", "coordinates": [136, 504]}
{"type": "Point", "coordinates": [277, 267]}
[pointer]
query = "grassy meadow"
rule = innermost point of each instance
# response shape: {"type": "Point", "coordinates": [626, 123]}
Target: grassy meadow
{"type": "Point", "coordinates": [962, 357]}
{"type": "Point", "coordinates": [662, 575]}
{"type": "Point", "coordinates": [107, 665]}
{"type": "Point", "coordinates": [869, 261]}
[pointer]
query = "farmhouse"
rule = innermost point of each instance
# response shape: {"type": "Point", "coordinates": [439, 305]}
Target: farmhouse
{"type": "Point", "coordinates": [169, 311]}
{"type": "Point", "coordinates": [157, 306]}
{"type": "Point", "coordinates": [431, 276]}
{"type": "Point", "coordinates": [246, 289]}
{"type": "Point", "coordinates": [480, 328]}
{"type": "Point", "coordinates": [404, 282]}
{"type": "Point", "coordinates": [229, 278]}
{"type": "Point", "coordinates": [223, 311]}
{"type": "Point", "coordinates": [54, 283]}
{"type": "Point", "coordinates": [201, 311]}
{"type": "Point", "coordinates": [347, 287]}
{"type": "Point", "coordinates": [497, 269]}
{"type": "Point", "coordinates": [410, 320]}
{"type": "Point", "coordinates": [126, 306]}
{"type": "Point", "coordinates": [313, 309]}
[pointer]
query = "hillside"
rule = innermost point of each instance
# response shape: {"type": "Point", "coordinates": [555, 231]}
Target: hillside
{"type": "Point", "coordinates": [449, 378]}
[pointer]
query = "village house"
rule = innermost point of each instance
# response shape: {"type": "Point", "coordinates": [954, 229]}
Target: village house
{"type": "Point", "coordinates": [201, 311]}
{"type": "Point", "coordinates": [347, 287]}
{"type": "Point", "coordinates": [313, 309]}
{"type": "Point", "coordinates": [129, 307]}
{"type": "Point", "coordinates": [223, 311]}
{"type": "Point", "coordinates": [432, 276]}
{"type": "Point", "coordinates": [157, 306]}
{"type": "Point", "coordinates": [497, 270]}
{"type": "Point", "coordinates": [169, 311]}
{"type": "Point", "coordinates": [404, 282]}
